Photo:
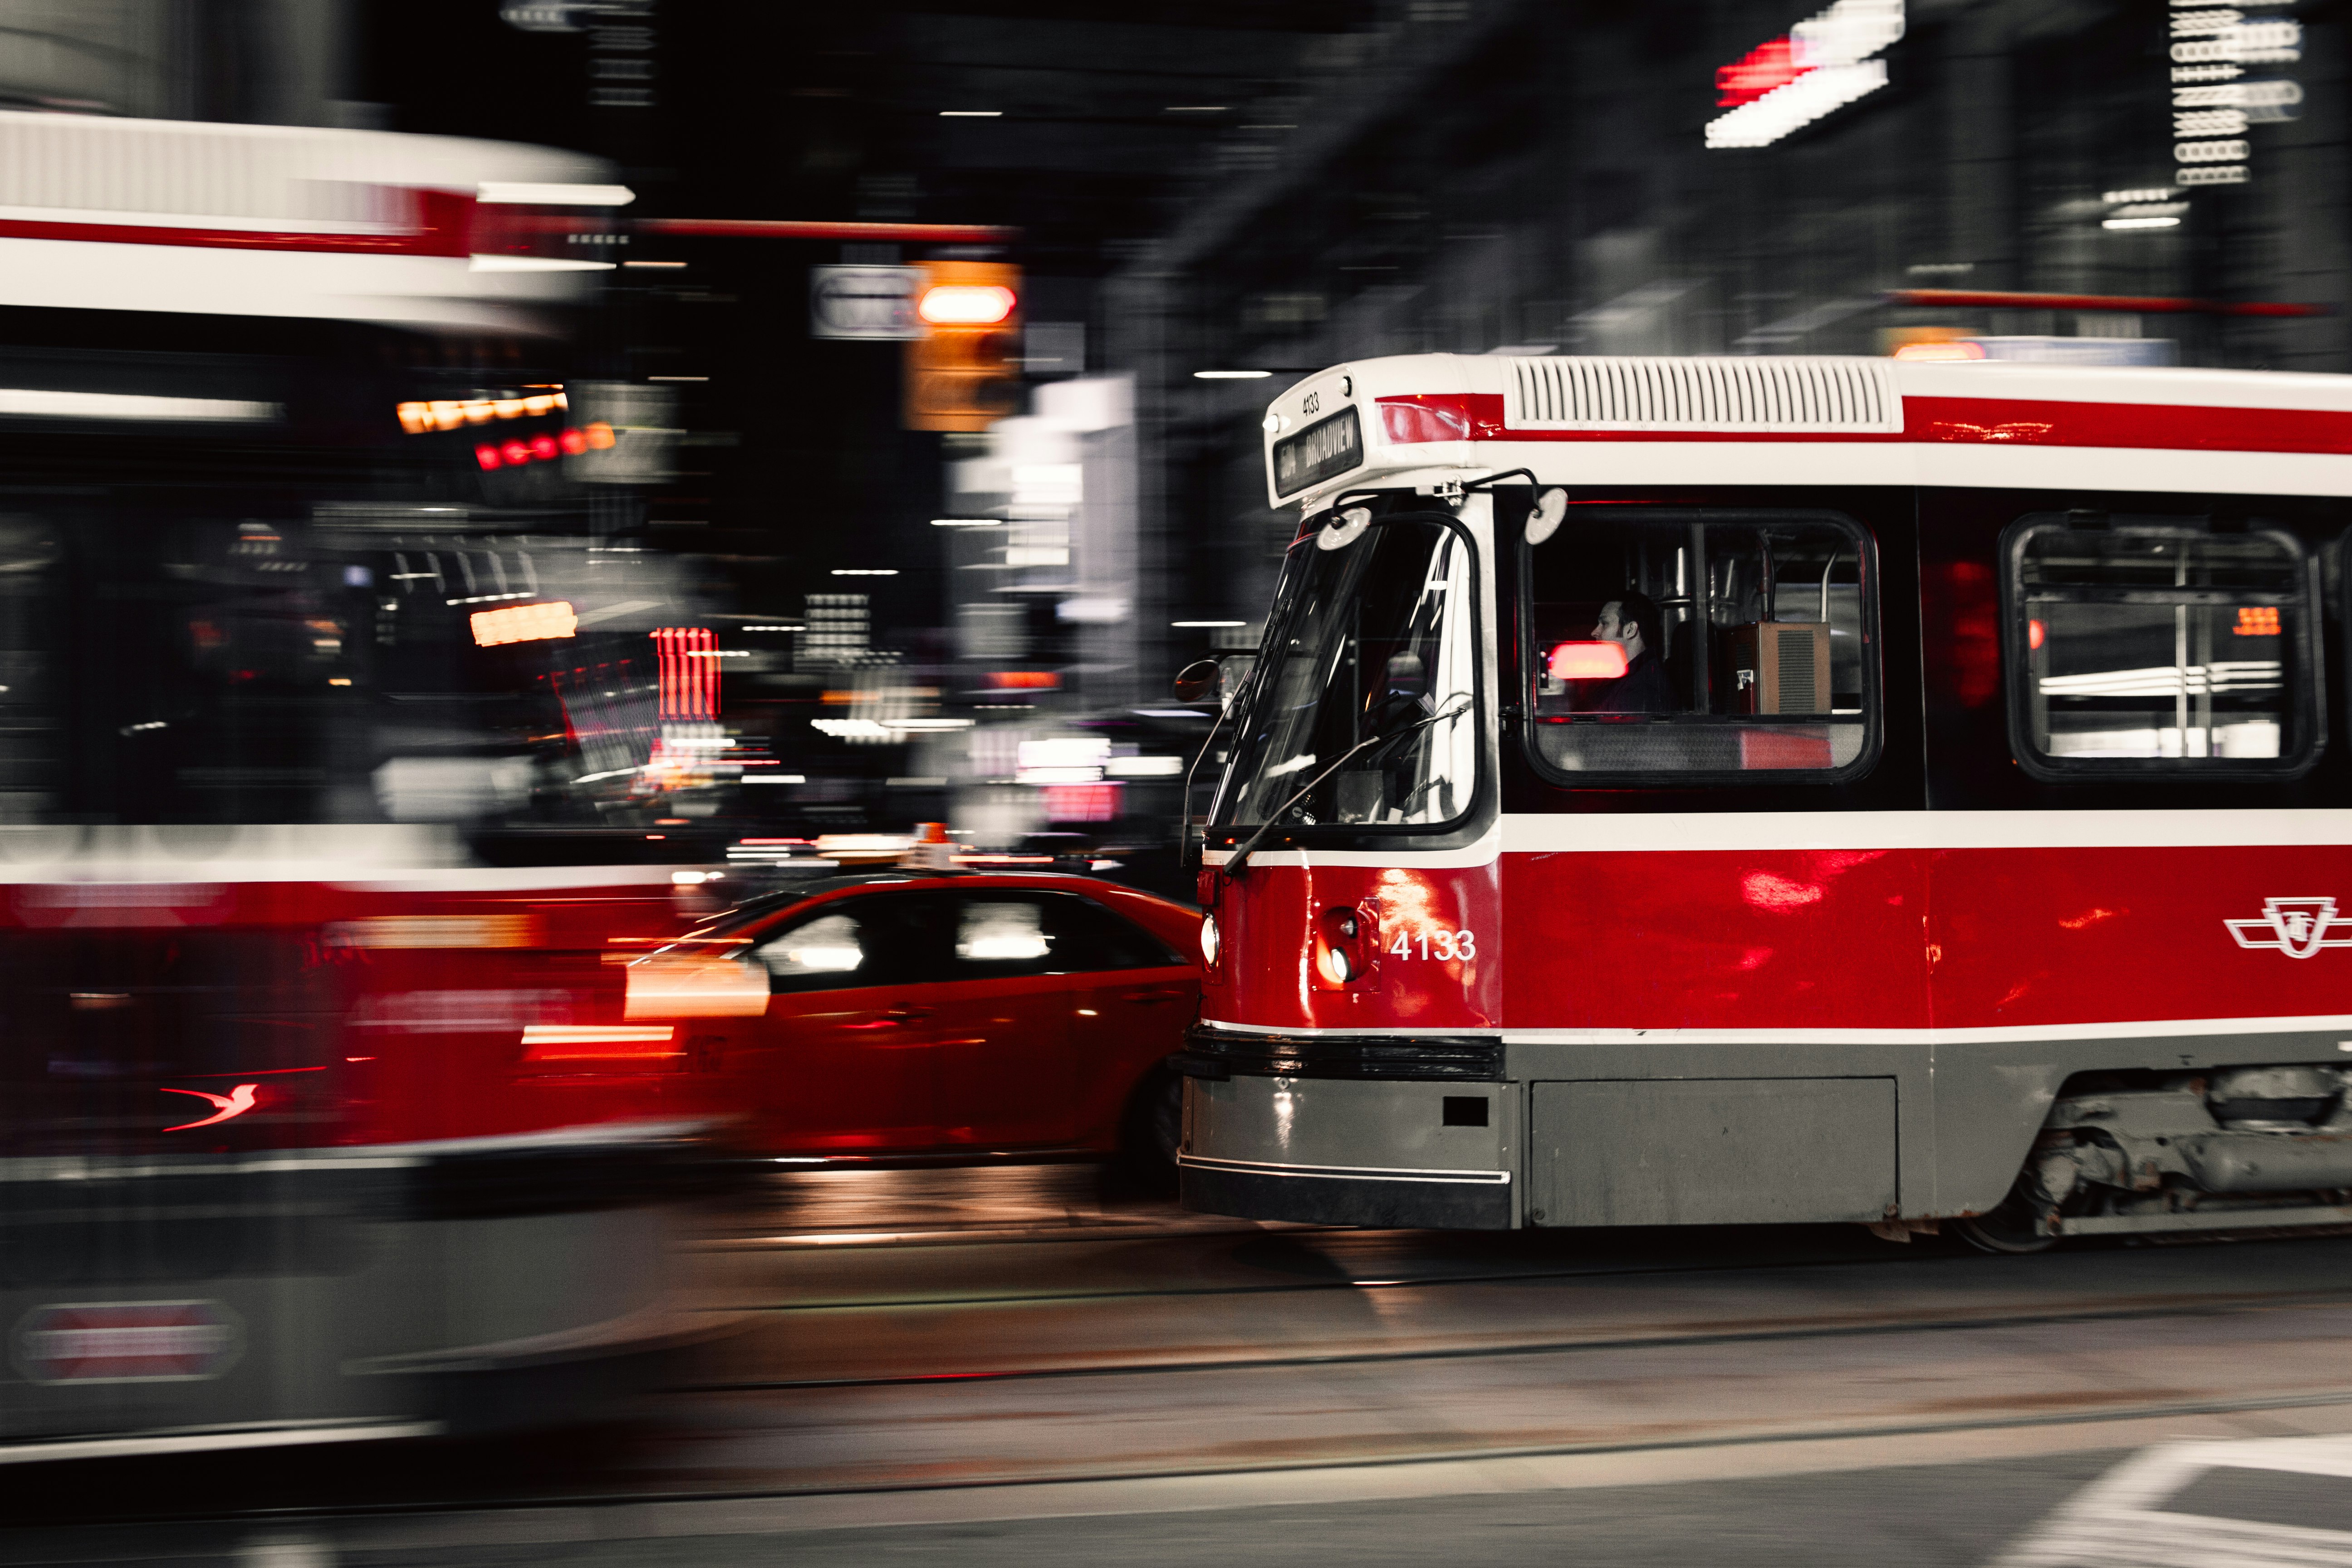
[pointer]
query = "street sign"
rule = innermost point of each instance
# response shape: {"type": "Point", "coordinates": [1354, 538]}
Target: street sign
{"type": "Point", "coordinates": [876, 303]}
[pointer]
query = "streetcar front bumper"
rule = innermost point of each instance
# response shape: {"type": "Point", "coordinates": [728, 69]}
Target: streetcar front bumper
{"type": "Point", "coordinates": [1376, 1131]}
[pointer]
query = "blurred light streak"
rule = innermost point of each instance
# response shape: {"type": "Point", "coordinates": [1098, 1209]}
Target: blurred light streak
{"type": "Point", "coordinates": [40, 404]}
{"type": "Point", "coordinates": [788, 228]}
{"type": "Point", "coordinates": [1959, 350]}
{"type": "Point", "coordinates": [966, 304]}
{"type": "Point", "coordinates": [524, 623]}
{"type": "Point", "coordinates": [512, 193]}
{"type": "Point", "coordinates": [688, 687]}
{"type": "Point", "coordinates": [1231, 374]}
{"type": "Point", "coordinates": [1821, 66]}
{"type": "Point", "coordinates": [1795, 106]}
{"type": "Point", "coordinates": [447, 414]}
{"type": "Point", "coordinates": [236, 1102]}
{"type": "Point", "coordinates": [1999, 299]}
{"type": "Point", "coordinates": [536, 264]}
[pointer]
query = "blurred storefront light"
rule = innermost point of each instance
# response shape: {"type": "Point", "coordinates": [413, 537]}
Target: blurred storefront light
{"type": "Point", "coordinates": [525, 622]}
{"type": "Point", "coordinates": [1962, 350]}
{"type": "Point", "coordinates": [41, 403]}
{"type": "Point", "coordinates": [966, 304]}
{"type": "Point", "coordinates": [545, 194]}
{"type": "Point", "coordinates": [447, 414]}
{"type": "Point", "coordinates": [1062, 759]}
{"type": "Point", "coordinates": [544, 447]}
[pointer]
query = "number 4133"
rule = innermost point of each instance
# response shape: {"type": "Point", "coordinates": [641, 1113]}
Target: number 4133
{"type": "Point", "coordinates": [1439, 944]}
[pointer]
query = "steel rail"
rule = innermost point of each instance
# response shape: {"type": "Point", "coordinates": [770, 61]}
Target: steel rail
{"type": "Point", "coordinates": [1880, 1326]}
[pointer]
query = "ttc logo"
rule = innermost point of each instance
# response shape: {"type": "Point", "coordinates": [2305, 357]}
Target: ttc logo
{"type": "Point", "coordinates": [2296, 927]}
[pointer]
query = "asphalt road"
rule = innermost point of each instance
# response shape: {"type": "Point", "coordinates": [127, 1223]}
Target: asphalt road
{"type": "Point", "coordinates": [1002, 1366]}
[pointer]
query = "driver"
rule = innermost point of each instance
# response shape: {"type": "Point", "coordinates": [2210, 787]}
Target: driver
{"type": "Point", "coordinates": [1631, 619]}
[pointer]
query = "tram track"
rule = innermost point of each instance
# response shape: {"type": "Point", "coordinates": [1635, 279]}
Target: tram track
{"type": "Point", "coordinates": [604, 1503]}
{"type": "Point", "coordinates": [1701, 1367]}
{"type": "Point", "coordinates": [1882, 1325]}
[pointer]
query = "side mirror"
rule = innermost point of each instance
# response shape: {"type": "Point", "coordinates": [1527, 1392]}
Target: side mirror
{"type": "Point", "coordinates": [1199, 682]}
{"type": "Point", "coordinates": [1543, 520]}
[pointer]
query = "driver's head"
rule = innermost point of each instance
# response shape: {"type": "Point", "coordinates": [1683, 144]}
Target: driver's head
{"type": "Point", "coordinates": [1631, 619]}
{"type": "Point", "coordinates": [1406, 674]}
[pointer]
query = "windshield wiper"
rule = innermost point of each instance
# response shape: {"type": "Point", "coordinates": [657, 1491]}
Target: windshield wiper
{"type": "Point", "coordinates": [1454, 709]}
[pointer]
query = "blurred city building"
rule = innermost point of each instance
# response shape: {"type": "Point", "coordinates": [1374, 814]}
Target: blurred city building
{"type": "Point", "coordinates": [917, 538]}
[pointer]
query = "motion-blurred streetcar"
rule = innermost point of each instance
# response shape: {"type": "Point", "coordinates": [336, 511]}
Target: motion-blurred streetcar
{"type": "Point", "coordinates": [1689, 791]}
{"type": "Point", "coordinates": [312, 1129]}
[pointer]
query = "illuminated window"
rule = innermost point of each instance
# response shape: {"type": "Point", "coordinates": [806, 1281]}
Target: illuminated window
{"type": "Point", "coordinates": [1719, 646]}
{"type": "Point", "coordinates": [829, 945]}
{"type": "Point", "coordinates": [2152, 645]}
{"type": "Point", "coordinates": [993, 931]}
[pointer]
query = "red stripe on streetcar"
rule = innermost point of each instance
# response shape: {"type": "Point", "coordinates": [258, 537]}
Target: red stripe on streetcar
{"type": "Point", "coordinates": [1977, 420]}
{"type": "Point", "coordinates": [442, 230]}
{"type": "Point", "coordinates": [791, 228]}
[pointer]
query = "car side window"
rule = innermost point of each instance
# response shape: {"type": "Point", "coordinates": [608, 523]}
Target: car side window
{"type": "Point", "coordinates": [1006, 934]}
{"type": "Point", "coordinates": [877, 940]}
{"type": "Point", "coordinates": [1001, 935]}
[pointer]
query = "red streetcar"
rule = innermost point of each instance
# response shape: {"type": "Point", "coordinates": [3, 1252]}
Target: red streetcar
{"type": "Point", "coordinates": [313, 1129]}
{"type": "Point", "coordinates": [940, 1015]}
{"type": "Point", "coordinates": [1683, 791]}
{"type": "Point", "coordinates": [308, 1141]}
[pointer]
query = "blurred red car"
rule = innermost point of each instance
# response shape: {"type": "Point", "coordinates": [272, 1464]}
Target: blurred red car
{"type": "Point", "coordinates": [920, 1013]}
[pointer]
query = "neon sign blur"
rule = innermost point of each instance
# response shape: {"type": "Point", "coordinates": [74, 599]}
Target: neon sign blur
{"type": "Point", "coordinates": [1822, 64]}
{"type": "Point", "coordinates": [236, 1102]}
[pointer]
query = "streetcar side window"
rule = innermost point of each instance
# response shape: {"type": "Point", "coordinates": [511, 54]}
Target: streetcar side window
{"type": "Point", "coordinates": [2157, 647]}
{"type": "Point", "coordinates": [1720, 646]}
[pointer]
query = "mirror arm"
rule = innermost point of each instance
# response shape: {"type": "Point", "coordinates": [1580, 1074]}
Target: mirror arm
{"type": "Point", "coordinates": [1451, 711]}
{"type": "Point", "coordinates": [1184, 808]}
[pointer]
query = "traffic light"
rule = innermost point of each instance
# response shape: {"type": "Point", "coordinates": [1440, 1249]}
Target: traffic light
{"type": "Point", "coordinates": [964, 373]}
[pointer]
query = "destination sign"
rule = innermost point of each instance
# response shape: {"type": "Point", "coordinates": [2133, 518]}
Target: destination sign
{"type": "Point", "coordinates": [1324, 450]}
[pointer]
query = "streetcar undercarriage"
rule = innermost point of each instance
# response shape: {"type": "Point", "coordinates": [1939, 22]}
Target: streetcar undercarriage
{"type": "Point", "coordinates": [2247, 1147]}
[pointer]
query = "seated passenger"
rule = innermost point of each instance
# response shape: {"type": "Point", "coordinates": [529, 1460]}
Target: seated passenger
{"type": "Point", "coordinates": [1631, 618]}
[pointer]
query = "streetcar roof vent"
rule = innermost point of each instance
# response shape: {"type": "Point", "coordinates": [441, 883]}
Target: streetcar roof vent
{"type": "Point", "coordinates": [1794, 394]}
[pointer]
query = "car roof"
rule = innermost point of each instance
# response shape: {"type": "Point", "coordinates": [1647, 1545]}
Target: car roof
{"type": "Point", "coordinates": [822, 888]}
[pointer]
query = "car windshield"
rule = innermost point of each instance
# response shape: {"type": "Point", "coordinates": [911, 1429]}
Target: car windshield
{"type": "Point", "coordinates": [1369, 671]}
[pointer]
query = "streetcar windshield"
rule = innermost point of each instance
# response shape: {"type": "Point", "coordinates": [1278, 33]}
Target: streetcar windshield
{"type": "Point", "coordinates": [1366, 686]}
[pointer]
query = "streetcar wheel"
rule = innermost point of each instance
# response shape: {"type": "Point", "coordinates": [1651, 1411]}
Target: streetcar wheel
{"type": "Point", "coordinates": [1153, 1128]}
{"type": "Point", "coordinates": [2008, 1230]}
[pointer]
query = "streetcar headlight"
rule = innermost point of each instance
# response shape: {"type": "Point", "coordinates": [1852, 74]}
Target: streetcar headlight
{"type": "Point", "coordinates": [1211, 942]}
{"type": "Point", "coordinates": [1335, 965]}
